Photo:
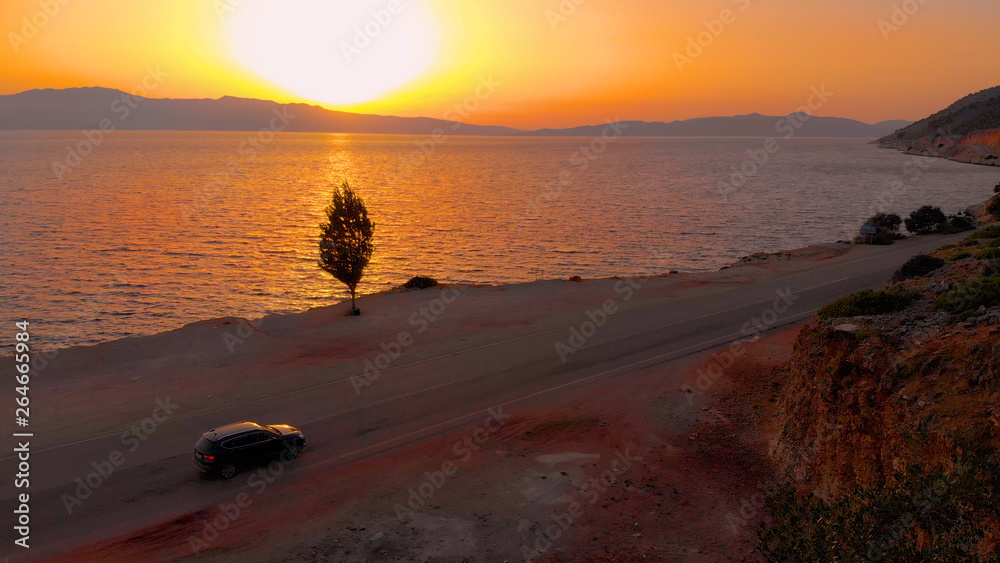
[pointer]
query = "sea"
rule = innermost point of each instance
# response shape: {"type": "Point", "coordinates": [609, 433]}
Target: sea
{"type": "Point", "coordinates": [135, 233]}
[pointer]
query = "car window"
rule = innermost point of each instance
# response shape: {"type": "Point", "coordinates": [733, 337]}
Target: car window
{"type": "Point", "coordinates": [238, 442]}
{"type": "Point", "coordinates": [258, 437]}
{"type": "Point", "coordinates": [204, 444]}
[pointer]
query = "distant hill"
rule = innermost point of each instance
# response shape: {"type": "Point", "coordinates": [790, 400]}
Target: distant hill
{"type": "Point", "coordinates": [893, 124]}
{"type": "Point", "coordinates": [967, 130]}
{"type": "Point", "coordinates": [85, 108]}
{"type": "Point", "coordinates": [753, 125]}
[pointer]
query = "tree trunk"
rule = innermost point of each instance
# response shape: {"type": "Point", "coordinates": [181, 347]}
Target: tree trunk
{"type": "Point", "coordinates": [353, 307]}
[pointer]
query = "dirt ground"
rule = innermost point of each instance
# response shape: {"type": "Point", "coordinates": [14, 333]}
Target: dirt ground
{"type": "Point", "coordinates": [599, 479]}
{"type": "Point", "coordinates": [240, 359]}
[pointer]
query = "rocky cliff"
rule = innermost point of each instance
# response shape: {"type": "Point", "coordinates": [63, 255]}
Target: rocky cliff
{"type": "Point", "coordinates": [888, 426]}
{"type": "Point", "coordinates": [966, 131]}
{"type": "Point", "coordinates": [864, 404]}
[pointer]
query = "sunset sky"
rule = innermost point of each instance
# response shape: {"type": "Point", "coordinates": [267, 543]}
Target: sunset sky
{"type": "Point", "coordinates": [555, 62]}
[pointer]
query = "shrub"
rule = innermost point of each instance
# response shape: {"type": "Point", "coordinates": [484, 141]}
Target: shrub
{"type": "Point", "coordinates": [959, 223]}
{"type": "Point", "coordinates": [420, 282]}
{"type": "Point", "coordinates": [993, 207]}
{"type": "Point", "coordinates": [869, 302]}
{"type": "Point", "coordinates": [917, 267]}
{"type": "Point", "coordinates": [926, 220]}
{"type": "Point", "coordinates": [991, 232]}
{"type": "Point", "coordinates": [970, 295]}
{"type": "Point", "coordinates": [948, 512]}
{"type": "Point", "coordinates": [991, 253]}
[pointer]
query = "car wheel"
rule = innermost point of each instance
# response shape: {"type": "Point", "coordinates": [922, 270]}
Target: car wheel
{"type": "Point", "coordinates": [295, 450]}
{"type": "Point", "coordinates": [228, 471]}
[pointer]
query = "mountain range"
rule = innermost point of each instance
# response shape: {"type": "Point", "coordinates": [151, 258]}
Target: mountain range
{"type": "Point", "coordinates": [86, 108]}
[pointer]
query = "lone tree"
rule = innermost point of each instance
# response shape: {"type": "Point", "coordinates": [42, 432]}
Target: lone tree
{"type": "Point", "coordinates": [345, 243]}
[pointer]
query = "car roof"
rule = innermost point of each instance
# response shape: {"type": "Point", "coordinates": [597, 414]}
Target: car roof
{"type": "Point", "coordinates": [234, 429]}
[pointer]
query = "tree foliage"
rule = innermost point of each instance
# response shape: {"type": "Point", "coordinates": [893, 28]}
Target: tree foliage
{"type": "Point", "coordinates": [888, 229]}
{"type": "Point", "coordinates": [346, 239]}
{"type": "Point", "coordinates": [888, 222]}
{"type": "Point", "coordinates": [960, 223]}
{"type": "Point", "coordinates": [926, 220]}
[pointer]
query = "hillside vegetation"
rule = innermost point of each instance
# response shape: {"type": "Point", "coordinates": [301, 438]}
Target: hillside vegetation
{"type": "Point", "coordinates": [967, 131]}
{"type": "Point", "coordinates": [888, 426]}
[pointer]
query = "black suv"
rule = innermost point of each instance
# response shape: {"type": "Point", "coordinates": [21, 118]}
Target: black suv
{"type": "Point", "coordinates": [225, 450]}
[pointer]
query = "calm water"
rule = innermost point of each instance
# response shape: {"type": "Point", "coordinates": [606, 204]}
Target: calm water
{"type": "Point", "coordinates": [154, 230]}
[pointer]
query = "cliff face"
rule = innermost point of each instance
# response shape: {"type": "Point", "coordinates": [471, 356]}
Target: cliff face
{"type": "Point", "coordinates": [870, 399]}
{"type": "Point", "coordinates": [966, 131]}
{"type": "Point", "coordinates": [862, 406]}
{"type": "Point", "coordinates": [892, 422]}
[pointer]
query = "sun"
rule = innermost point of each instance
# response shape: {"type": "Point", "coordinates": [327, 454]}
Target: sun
{"type": "Point", "coordinates": [334, 51]}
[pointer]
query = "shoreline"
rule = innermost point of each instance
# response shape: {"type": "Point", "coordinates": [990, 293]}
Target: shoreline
{"type": "Point", "coordinates": [126, 312]}
{"type": "Point", "coordinates": [924, 154]}
{"type": "Point", "coordinates": [965, 149]}
{"type": "Point", "coordinates": [801, 255]}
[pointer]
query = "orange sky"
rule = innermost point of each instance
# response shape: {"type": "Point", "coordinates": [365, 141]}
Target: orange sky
{"type": "Point", "coordinates": [595, 60]}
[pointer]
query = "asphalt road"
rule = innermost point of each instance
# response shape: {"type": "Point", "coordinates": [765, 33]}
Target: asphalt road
{"type": "Point", "coordinates": [412, 401]}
